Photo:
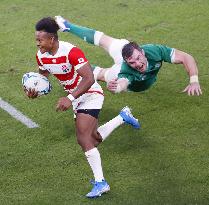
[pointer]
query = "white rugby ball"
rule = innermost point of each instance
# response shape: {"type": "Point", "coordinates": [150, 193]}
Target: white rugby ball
{"type": "Point", "coordinates": [36, 81]}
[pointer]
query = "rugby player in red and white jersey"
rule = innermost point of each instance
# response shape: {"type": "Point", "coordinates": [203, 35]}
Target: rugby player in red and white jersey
{"type": "Point", "coordinates": [70, 66]}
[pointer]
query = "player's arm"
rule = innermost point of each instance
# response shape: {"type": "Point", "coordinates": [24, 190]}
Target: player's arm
{"type": "Point", "coordinates": [118, 85]}
{"type": "Point", "coordinates": [190, 66]}
{"type": "Point", "coordinates": [87, 80]}
{"type": "Point", "coordinates": [83, 68]}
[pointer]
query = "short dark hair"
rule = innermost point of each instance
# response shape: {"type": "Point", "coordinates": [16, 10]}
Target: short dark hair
{"type": "Point", "coordinates": [47, 24]}
{"type": "Point", "coordinates": [128, 49]}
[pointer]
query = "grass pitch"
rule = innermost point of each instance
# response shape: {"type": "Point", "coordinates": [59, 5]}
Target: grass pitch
{"type": "Point", "coordinates": [166, 162]}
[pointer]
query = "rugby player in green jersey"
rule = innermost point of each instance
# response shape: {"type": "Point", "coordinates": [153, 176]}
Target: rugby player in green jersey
{"type": "Point", "coordinates": [135, 67]}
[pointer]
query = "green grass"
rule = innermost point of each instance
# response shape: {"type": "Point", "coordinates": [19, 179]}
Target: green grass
{"type": "Point", "coordinates": [165, 163]}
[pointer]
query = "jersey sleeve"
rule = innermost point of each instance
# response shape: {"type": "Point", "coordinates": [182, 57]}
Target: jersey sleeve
{"type": "Point", "coordinates": [77, 58]}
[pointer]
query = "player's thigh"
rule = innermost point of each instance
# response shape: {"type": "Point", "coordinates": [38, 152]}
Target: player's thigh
{"type": "Point", "coordinates": [113, 46]}
{"type": "Point", "coordinates": [85, 122]}
{"type": "Point", "coordinates": [115, 50]}
{"type": "Point", "coordinates": [105, 42]}
{"type": "Point", "coordinates": [86, 125]}
{"type": "Point", "coordinates": [87, 112]}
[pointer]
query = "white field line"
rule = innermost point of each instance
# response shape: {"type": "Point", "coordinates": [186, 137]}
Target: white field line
{"type": "Point", "coordinates": [17, 114]}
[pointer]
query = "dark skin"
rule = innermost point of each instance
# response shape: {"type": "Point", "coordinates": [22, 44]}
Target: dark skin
{"type": "Point", "coordinates": [86, 125]}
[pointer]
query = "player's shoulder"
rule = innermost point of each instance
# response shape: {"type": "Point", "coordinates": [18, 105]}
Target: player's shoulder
{"type": "Point", "coordinates": [150, 46]}
{"type": "Point", "coordinates": [64, 49]}
{"type": "Point", "coordinates": [153, 49]}
{"type": "Point", "coordinates": [66, 45]}
{"type": "Point", "coordinates": [158, 52]}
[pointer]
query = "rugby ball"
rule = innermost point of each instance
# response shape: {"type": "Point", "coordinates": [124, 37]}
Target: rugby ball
{"type": "Point", "coordinates": [36, 81]}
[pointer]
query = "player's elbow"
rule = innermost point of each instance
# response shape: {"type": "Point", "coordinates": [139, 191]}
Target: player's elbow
{"type": "Point", "coordinates": [187, 58]}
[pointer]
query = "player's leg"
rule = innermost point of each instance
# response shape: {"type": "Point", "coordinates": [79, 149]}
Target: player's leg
{"type": "Point", "coordinates": [89, 137]}
{"type": "Point", "coordinates": [85, 127]}
{"type": "Point", "coordinates": [115, 51]}
{"type": "Point", "coordinates": [125, 116]}
{"type": "Point", "coordinates": [112, 45]}
{"type": "Point", "coordinates": [106, 74]}
{"type": "Point", "coordinates": [87, 34]}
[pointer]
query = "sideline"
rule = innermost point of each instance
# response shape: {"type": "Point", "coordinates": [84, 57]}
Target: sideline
{"type": "Point", "coordinates": [17, 114]}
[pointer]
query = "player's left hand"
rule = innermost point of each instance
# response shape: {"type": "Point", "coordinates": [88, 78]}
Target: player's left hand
{"type": "Point", "coordinates": [193, 89]}
{"type": "Point", "coordinates": [63, 104]}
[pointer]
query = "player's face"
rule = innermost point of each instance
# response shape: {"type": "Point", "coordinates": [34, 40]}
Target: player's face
{"type": "Point", "coordinates": [138, 61]}
{"type": "Point", "coordinates": [44, 41]}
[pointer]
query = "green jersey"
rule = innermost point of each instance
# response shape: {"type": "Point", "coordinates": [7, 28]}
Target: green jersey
{"type": "Point", "coordinates": [155, 55]}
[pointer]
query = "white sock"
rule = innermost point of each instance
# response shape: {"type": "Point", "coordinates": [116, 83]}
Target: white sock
{"type": "Point", "coordinates": [97, 37]}
{"type": "Point", "coordinates": [94, 160]}
{"type": "Point", "coordinates": [108, 127]}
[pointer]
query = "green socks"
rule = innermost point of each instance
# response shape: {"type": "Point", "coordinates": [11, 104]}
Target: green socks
{"type": "Point", "coordinates": [84, 33]}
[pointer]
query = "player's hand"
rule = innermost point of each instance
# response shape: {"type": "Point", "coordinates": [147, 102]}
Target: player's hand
{"type": "Point", "coordinates": [31, 93]}
{"type": "Point", "coordinates": [193, 89]}
{"type": "Point", "coordinates": [63, 104]}
{"type": "Point", "coordinates": [112, 85]}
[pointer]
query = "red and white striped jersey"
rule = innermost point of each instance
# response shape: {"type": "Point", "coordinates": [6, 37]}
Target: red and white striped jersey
{"type": "Point", "coordinates": [64, 65]}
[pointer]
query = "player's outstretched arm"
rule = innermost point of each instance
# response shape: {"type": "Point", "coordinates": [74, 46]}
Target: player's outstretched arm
{"type": "Point", "coordinates": [191, 67]}
{"type": "Point", "coordinates": [118, 85]}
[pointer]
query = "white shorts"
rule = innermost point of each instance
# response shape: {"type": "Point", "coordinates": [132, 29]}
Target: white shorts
{"type": "Point", "coordinates": [88, 101]}
{"type": "Point", "coordinates": [115, 50]}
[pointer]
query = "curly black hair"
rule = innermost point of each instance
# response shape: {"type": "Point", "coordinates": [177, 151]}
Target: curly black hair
{"type": "Point", "coordinates": [47, 24]}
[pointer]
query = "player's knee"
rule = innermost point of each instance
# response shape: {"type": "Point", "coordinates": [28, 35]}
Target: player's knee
{"type": "Point", "coordinates": [86, 142]}
{"type": "Point", "coordinates": [104, 41]}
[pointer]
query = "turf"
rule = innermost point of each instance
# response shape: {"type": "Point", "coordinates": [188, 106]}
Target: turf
{"type": "Point", "coordinates": [166, 162]}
